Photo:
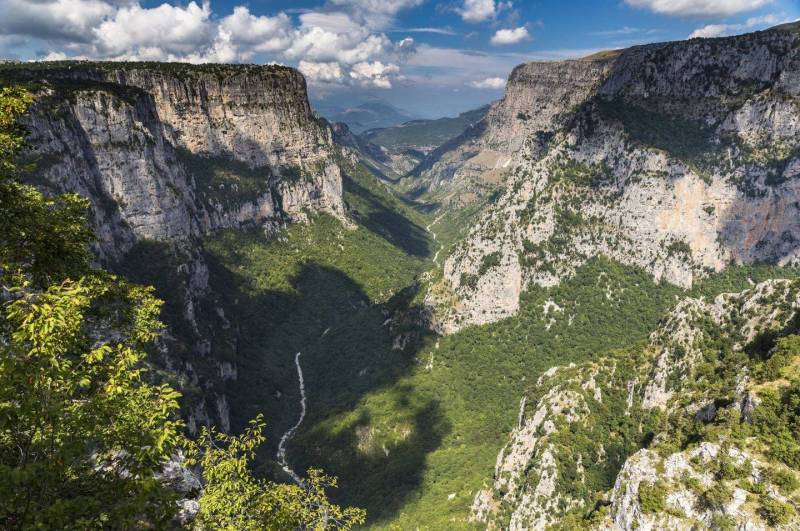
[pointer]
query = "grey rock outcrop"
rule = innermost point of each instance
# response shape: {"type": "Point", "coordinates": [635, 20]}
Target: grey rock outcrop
{"type": "Point", "coordinates": [565, 436]}
{"type": "Point", "coordinates": [539, 99]}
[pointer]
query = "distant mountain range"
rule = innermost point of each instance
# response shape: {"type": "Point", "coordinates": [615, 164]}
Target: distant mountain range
{"type": "Point", "coordinates": [364, 116]}
{"type": "Point", "coordinates": [397, 150]}
{"type": "Point", "coordinates": [424, 133]}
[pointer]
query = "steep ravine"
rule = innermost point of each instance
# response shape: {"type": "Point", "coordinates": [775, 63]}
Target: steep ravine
{"type": "Point", "coordinates": [576, 309]}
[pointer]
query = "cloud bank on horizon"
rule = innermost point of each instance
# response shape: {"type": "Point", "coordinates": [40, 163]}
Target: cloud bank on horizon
{"type": "Point", "coordinates": [459, 49]}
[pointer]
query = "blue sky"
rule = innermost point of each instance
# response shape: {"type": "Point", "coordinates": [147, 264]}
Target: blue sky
{"type": "Point", "coordinates": [433, 57]}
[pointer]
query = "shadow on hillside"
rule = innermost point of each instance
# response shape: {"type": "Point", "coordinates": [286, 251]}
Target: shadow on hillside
{"type": "Point", "coordinates": [378, 174]}
{"type": "Point", "coordinates": [388, 224]}
{"type": "Point", "coordinates": [380, 477]}
{"type": "Point", "coordinates": [347, 355]}
{"type": "Point", "coordinates": [408, 198]}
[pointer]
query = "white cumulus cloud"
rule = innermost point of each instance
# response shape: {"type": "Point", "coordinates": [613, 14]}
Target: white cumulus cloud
{"type": "Point", "coordinates": [60, 20]}
{"type": "Point", "coordinates": [321, 72]}
{"type": "Point", "coordinates": [477, 10]}
{"type": "Point", "coordinates": [336, 39]}
{"type": "Point", "coordinates": [136, 32]}
{"type": "Point", "coordinates": [374, 74]}
{"type": "Point", "coordinates": [329, 46]}
{"type": "Point", "coordinates": [263, 34]}
{"type": "Point", "coordinates": [509, 36]}
{"type": "Point", "coordinates": [55, 56]}
{"type": "Point", "coordinates": [711, 8]}
{"type": "Point", "coordinates": [724, 30]}
{"type": "Point", "coordinates": [492, 83]}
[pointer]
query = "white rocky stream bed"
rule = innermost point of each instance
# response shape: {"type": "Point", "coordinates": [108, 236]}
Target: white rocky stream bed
{"type": "Point", "coordinates": [281, 455]}
{"type": "Point", "coordinates": [428, 229]}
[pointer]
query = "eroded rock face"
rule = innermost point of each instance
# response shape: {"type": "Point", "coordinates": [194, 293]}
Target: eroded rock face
{"type": "Point", "coordinates": [677, 342]}
{"type": "Point", "coordinates": [527, 489]}
{"type": "Point", "coordinates": [160, 149]}
{"type": "Point", "coordinates": [116, 155]}
{"type": "Point", "coordinates": [572, 430]}
{"type": "Point", "coordinates": [684, 477]}
{"type": "Point", "coordinates": [538, 100]}
{"type": "Point", "coordinates": [679, 158]}
{"type": "Point", "coordinates": [258, 115]}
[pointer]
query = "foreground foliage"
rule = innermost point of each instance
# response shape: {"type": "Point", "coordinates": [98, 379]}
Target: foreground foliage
{"type": "Point", "coordinates": [81, 433]}
{"type": "Point", "coordinates": [234, 500]}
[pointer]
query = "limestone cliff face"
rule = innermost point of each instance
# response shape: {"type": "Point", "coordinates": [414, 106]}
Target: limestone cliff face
{"type": "Point", "coordinates": [539, 99]}
{"type": "Point", "coordinates": [167, 152]}
{"type": "Point", "coordinates": [258, 115]}
{"type": "Point", "coordinates": [679, 158]}
{"type": "Point", "coordinates": [115, 153]}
